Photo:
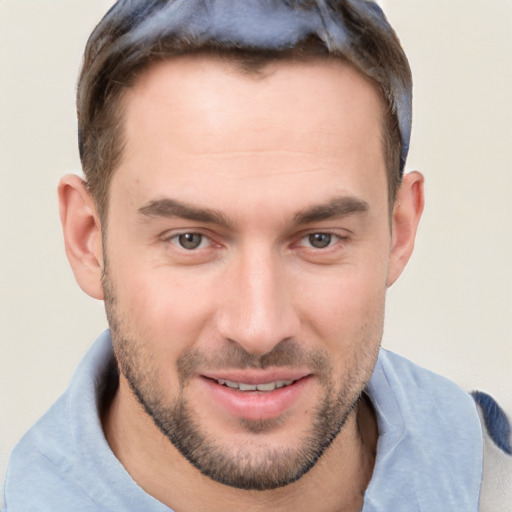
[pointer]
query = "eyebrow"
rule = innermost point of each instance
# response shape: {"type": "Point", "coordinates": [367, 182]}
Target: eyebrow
{"type": "Point", "coordinates": [168, 208]}
{"type": "Point", "coordinates": [335, 208]}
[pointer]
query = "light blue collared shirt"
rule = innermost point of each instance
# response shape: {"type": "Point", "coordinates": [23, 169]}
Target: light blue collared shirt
{"type": "Point", "coordinates": [429, 454]}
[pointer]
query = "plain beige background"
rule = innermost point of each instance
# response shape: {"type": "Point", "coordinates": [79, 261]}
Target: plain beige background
{"type": "Point", "coordinates": [451, 311]}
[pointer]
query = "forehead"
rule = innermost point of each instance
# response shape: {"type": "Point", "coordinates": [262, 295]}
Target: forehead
{"type": "Point", "coordinates": [200, 118]}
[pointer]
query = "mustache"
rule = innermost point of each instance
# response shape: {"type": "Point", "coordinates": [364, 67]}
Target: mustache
{"type": "Point", "coordinates": [287, 353]}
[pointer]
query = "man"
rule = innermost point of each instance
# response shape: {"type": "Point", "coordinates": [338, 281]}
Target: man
{"type": "Point", "coordinates": [243, 214]}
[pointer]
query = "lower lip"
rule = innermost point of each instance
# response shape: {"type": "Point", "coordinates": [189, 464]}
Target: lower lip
{"type": "Point", "coordinates": [256, 405]}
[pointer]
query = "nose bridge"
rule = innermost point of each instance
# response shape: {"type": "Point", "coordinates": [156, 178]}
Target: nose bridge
{"type": "Point", "coordinates": [257, 312]}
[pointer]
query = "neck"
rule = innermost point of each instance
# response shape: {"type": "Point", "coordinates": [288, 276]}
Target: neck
{"type": "Point", "coordinates": [336, 482]}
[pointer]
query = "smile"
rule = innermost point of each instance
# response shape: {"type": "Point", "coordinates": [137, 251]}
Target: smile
{"type": "Point", "coordinates": [268, 386]}
{"type": "Point", "coordinates": [245, 394]}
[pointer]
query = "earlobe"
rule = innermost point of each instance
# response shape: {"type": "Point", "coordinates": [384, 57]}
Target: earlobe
{"type": "Point", "coordinates": [82, 234]}
{"type": "Point", "coordinates": [406, 216]}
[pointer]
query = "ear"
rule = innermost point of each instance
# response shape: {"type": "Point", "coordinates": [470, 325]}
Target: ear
{"type": "Point", "coordinates": [82, 234]}
{"type": "Point", "coordinates": [406, 217]}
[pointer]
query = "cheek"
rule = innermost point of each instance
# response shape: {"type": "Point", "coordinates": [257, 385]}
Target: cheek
{"type": "Point", "coordinates": [169, 311]}
{"type": "Point", "coordinates": [346, 306]}
{"type": "Point", "coordinates": [352, 328]}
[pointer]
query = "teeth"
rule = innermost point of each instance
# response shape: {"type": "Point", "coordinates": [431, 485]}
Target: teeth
{"type": "Point", "coordinates": [269, 386]}
{"type": "Point", "coordinates": [247, 387]}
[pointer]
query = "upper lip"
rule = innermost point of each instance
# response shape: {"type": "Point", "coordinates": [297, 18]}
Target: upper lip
{"type": "Point", "coordinates": [253, 376]}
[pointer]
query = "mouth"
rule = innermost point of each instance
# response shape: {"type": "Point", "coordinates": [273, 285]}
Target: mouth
{"type": "Point", "coordinates": [264, 387]}
{"type": "Point", "coordinates": [253, 396]}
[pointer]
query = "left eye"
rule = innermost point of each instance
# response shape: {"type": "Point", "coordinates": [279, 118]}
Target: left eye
{"type": "Point", "coordinates": [190, 241]}
{"type": "Point", "coordinates": [319, 240]}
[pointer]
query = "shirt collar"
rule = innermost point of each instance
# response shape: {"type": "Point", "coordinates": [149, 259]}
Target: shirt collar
{"type": "Point", "coordinates": [429, 452]}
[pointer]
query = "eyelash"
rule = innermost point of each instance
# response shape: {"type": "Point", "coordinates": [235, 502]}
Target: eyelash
{"type": "Point", "coordinates": [175, 240]}
{"type": "Point", "coordinates": [333, 240]}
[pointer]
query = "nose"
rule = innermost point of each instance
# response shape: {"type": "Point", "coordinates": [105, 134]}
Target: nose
{"type": "Point", "coordinates": [257, 310]}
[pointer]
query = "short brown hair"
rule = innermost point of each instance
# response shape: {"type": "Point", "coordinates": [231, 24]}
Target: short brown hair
{"type": "Point", "coordinates": [135, 34]}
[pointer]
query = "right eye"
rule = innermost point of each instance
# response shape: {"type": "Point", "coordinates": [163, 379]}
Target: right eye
{"type": "Point", "coordinates": [190, 241]}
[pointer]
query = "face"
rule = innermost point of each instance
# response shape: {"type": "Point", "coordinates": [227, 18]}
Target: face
{"type": "Point", "coordinates": [246, 260]}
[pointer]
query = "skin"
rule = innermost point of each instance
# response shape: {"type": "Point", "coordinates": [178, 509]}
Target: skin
{"type": "Point", "coordinates": [201, 134]}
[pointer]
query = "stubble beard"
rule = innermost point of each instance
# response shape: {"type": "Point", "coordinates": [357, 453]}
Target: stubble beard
{"type": "Point", "coordinates": [249, 467]}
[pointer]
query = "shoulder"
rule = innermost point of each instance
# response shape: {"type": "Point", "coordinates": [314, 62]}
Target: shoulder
{"type": "Point", "coordinates": [47, 469]}
{"type": "Point", "coordinates": [40, 471]}
{"type": "Point", "coordinates": [459, 422]}
{"type": "Point", "coordinates": [430, 440]}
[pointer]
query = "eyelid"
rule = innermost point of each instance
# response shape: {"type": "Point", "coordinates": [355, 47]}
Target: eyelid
{"type": "Point", "coordinates": [335, 239]}
{"type": "Point", "coordinates": [175, 240]}
{"type": "Point", "coordinates": [171, 237]}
